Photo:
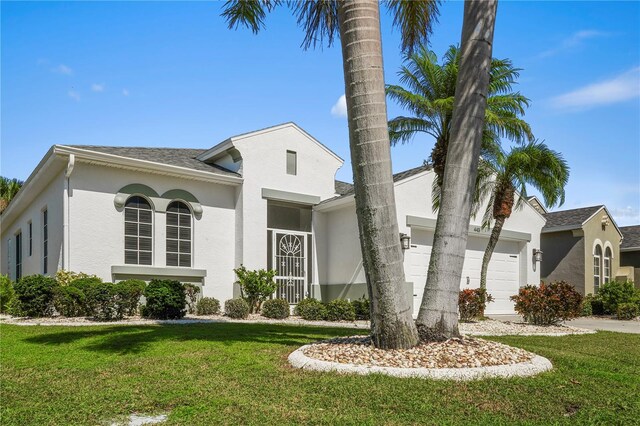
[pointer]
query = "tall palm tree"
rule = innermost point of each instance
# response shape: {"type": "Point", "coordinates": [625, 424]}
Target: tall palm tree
{"type": "Point", "coordinates": [8, 189]}
{"type": "Point", "coordinates": [438, 315]}
{"type": "Point", "coordinates": [358, 25]}
{"type": "Point", "coordinates": [532, 164]}
{"type": "Point", "coordinates": [427, 90]}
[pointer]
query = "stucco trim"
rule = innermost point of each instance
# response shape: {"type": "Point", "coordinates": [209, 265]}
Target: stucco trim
{"type": "Point", "coordinates": [292, 197]}
{"type": "Point", "coordinates": [474, 230]}
{"type": "Point", "coordinates": [157, 271]}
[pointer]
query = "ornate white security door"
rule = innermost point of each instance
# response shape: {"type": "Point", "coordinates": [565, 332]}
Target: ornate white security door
{"type": "Point", "coordinates": [289, 260]}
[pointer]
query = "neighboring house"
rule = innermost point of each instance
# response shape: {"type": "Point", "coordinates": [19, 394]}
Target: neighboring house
{"type": "Point", "coordinates": [630, 252]}
{"type": "Point", "coordinates": [265, 199]}
{"type": "Point", "coordinates": [581, 246]}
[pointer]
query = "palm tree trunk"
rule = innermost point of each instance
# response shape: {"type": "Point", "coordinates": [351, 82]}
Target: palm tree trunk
{"type": "Point", "coordinates": [488, 252]}
{"type": "Point", "coordinates": [391, 323]}
{"type": "Point", "coordinates": [438, 316]}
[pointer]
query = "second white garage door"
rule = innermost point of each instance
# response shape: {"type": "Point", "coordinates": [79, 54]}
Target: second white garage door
{"type": "Point", "coordinates": [503, 277]}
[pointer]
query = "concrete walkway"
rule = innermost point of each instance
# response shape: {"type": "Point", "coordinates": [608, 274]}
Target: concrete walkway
{"type": "Point", "coordinates": [590, 323]}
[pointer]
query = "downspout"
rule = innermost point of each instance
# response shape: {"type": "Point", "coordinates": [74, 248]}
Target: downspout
{"type": "Point", "coordinates": [65, 212]}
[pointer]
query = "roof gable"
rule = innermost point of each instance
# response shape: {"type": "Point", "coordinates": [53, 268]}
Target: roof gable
{"type": "Point", "coordinates": [631, 238]}
{"type": "Point", "coordinates": [569, 219]}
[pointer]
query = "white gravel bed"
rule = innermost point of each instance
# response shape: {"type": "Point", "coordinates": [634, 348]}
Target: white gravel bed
{"type": "Point", "coordinates": [455, 359]}
{"type": "Point", "coordinates": [508, 328]}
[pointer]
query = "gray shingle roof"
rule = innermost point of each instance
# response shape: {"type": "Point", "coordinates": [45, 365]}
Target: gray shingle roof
{"type": "Point", "coordinates": [181, 157]}
{"type": "Point", "coordinates": [631, 237]}
{"type": "Point", "coordinates": [343, 187]}
{"type": "Point", "coordinates": [567, 218]}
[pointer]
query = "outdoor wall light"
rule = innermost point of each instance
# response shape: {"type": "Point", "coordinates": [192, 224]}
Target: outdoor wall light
{"type": "Point", "coordinates": [537, 255]}
{"type": "Point", "coordinates": [405, 241]}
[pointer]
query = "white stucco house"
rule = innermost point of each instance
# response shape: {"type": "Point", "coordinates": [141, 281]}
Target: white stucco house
{"type": "Point", "coordinates": [265, 199]}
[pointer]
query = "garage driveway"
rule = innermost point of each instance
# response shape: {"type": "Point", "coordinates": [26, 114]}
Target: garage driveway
{"type": "Point", "coordinates": [590, 323]}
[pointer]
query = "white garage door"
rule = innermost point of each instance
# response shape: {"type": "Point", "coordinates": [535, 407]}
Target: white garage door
{"type": "Point", "coordinates": [503, 277]}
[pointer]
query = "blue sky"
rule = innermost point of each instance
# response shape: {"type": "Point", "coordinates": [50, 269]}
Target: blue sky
{"type": "Point", "coordinates": [172, 74]}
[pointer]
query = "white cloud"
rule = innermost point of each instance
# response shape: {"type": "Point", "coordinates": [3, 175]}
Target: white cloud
{"type": "Point", "coordinates": [574, 40]}
{"type": "Point", "coordinates": [625, 215]}
{"type": "Point", "coordinates": [98, 87]}
{"type": "Point", "coordinates": [340, 107]}
{"type": "Point", "coordinates": [62, 69]}
{"type": "Point", "coordinates": [74, 95]}
{"type": "Point", "coordinates": [618, 89]}
{"type": "Point", "coordinates": [125, 92]}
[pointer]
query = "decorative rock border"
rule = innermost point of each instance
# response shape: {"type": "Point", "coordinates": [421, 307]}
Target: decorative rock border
{"type": "Point", "coordinates": [536, 365]}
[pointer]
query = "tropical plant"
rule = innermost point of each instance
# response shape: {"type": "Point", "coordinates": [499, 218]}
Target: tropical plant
{"type": "Point", "coordinates": [615, 293]}
{"type": "Point", "coordinates": [532, 164]}
{"type": "Point", "coordinates": [548, 304]}
{"type": "Point", "coordinates": [255, 286]}
{"type": "Point", "coordinates": [358, 25]}
{"type": "Point", "coordinates": [427, 90]}
{"type": "Point", "coordinates": [7, 293]}
{"type": "Point", "coordinates": [438, 314]}
{"type": "Point", "coordinates": [8, 190]}
{"type": "Point", "coordinates": [472, 303]}
{"type": "Point", "coordinates": [191, 291]}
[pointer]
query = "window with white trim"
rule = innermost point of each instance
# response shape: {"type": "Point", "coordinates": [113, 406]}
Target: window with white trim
{"type": "Point", "coordinates": [292, 163]}
{"type": "Point", "coordinates": [597, 258]}
{"type": "Point", "coordinates": [138, 231]}
{"type": "Point", "coordinates": [178, 234]}
{"type": "Point", "coordinates": [607, 265]}
{"type": "Point", "coordinates": [18, 255]}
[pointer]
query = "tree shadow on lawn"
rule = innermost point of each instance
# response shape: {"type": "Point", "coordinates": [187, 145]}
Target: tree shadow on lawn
{"type": "Point", "coordinates": [124, 339]}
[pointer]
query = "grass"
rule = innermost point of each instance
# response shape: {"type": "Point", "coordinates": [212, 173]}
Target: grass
{"type": "Point", "coordinates": [203, 374]}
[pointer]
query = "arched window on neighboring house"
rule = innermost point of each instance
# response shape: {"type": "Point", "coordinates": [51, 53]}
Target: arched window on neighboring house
{"type": "Point", "coordinates": [597, 269]}
{"type": "Point", "coordinates": [178, 235]}
{"type": "Point", "coordinates": [138, 231]}
{"type": "Point", "coordinates": [607, 265]}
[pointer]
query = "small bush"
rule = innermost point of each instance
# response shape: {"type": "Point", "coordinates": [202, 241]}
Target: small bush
{"type": "Point", "coordinates": [472, 302]}
{"type": "Point", "coordinates": [36, 293]}
{"type": "Point", "coordinates": [597, 307]}
{"type": "Point", "coordinates": [311, 310]}
{"type": "Point", "coordinates": [586, 307]}
{"type": "Point", "coordinates": [98, 299]}
{"type": "Point", "coordinates": [340, 310]}
{"type": "Point", "coordinates": [128, 294]}
{"type": "Point", "coordinates": [65, 278]}
{"type": "Point", "coordinates": [70, 301]}
{"type": "Point", "coordinates": [165, 300]}
{"type": "Point", "coordinates": [548, 304]}
{"type": "Point", "coordinates": [208, 306]}
{"type": "Point", "coordinates": [615, 293]}
{"type": "Point", "coordinates": [255, 286]}
{"type": "Point", "coordinates": [361, 308]}
{"type": "Point", "coordinates": [236, 308]}
{"type": "Point", "coordinates": [7, 293]}
{"type": "Point", "coordinates": [275, 308]}
{"type": "Point", "coordinates": [627, 311]}
{"type": "Point", "coordinates": [191, 292]}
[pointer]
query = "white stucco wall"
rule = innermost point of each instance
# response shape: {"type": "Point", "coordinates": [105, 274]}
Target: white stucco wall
{"type": "Point", "coordinates": [97, 228]}
{"type": "Point", "coordinates": [49, 198]}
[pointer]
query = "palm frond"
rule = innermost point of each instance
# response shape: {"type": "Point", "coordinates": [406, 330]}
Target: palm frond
{"type": "Point", "coordinates": [403, 129]}
{"type": "Point", "coordinates": [248, 13]}
{"type": "Point", "coordinates": [319, 19]}
{"type": "Point", "coordinates": [415, 19]}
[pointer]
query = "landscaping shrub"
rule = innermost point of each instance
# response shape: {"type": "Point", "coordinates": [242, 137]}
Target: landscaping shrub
{"type": "Point", "coordinates": [35, 294]}
{"type": "Point", "coordinates": [7, 293]}
{"type": "Point", "coordinates": [64, 277]}
{"type": "Point", "coordinates": [165, 300]}
{"type": "Point", "coordinates": [98, 301]}
{"type": "Point", "coordinates": [340, 310]}
{"type": "Point", "coordinates": [586, 307]}
{"type": "Point", "coordinates": [311, 310]}
{"type": "Point", "coordinates": [361, 308]}
{"type": "Point", "coordinates": [597, 307]}
{"type": "Point", "coordinates": [472, 302]}
{"type": "Point", "coordinates": [615, 293]}
{"type": "Point", "coordinates": [627, 311]}
{"type": "Point", "coordinates": [548, 303]}
{"type": "Point", "coordinates": [70, 301]}
{"type": "Point", "coordinates": [275, 308]}
{"type": "Point", "coordinates": [236, 308]}
{"type": "Point", "coordinates": [208, 306]}
{"type": "Point", "coordinates": [191, 292]}
{"type": "Point", "coordinates": [255, 286]}
{"type": "Point", "coordinates": [128, 294]}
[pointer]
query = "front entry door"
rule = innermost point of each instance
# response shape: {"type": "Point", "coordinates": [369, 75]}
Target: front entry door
{"type": "Point", "coordinates": [289, 260]}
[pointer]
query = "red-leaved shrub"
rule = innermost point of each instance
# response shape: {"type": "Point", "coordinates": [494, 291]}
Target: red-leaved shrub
{"type": "Point", "coordinates": [472, 303]}
{"type": "Point", "coordinates": [549, 303]}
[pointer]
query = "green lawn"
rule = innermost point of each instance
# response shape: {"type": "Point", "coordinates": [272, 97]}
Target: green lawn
{"type": "Point", "coordinates": [238, 374]}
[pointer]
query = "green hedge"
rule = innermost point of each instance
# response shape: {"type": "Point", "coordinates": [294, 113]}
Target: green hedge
{"type": "Point", "coordinates": [165, 300]}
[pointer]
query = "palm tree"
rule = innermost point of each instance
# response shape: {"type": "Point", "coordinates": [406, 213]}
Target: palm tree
{"type": "Point", "coordinates": [8, 189]}
{"type": "Point", "coordinates": [532, 164]}
{"type": "Point", "coordinates": [428, 92]}
{"type": "Point", "coordinates": [358, 25]}
{"type": "Point", "coordinates": [438, 315]}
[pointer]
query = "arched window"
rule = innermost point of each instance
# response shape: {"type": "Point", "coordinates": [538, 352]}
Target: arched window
{"type": "Point", "coordinates": [607, 265]}
{"type": "Point", "coordinates": [138, 231]}
{"type": "Point", "coordinates": [597, 258]}
{"type": "Point", "coordinates": [178, 235]}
